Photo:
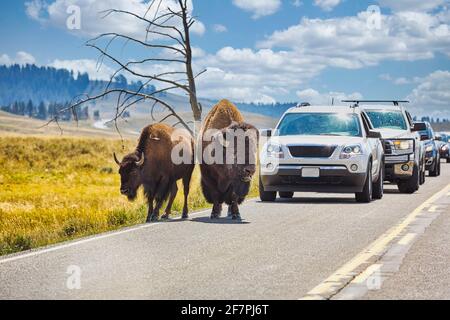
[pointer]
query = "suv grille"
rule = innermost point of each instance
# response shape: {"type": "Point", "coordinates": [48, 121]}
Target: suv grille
{"type": "Point", "coordinates": [312, 151]}
{"type": "Point", "coordinates": [387, 145]}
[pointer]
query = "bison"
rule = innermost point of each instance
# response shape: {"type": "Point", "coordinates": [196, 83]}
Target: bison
{"type": "Point", "coordinates": [152, 167]}
{"type": "Point", "coordinates": [229, 181]}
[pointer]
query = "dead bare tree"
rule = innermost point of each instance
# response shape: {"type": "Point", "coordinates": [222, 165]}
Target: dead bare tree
{"type": "Point", "coordinates": [166, 39]}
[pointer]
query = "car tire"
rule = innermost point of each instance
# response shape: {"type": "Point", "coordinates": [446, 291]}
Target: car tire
{"type": "Point", "coordinates": [366, 195]}
{"type": "Point", "coordinates": [435, 171]}
{"type": "Point", "coordinates": [266, 196]}
{"type": "Point", "coordinates": [412, 184]}
{"type": "Point", "coordinates": [448, 160]}
{"type": "Point", "coordinates": [286, 195]}
{"type": "Point", "coordinates": [378, 187]}
{"type": "Point", "coordinates": [423, 173]}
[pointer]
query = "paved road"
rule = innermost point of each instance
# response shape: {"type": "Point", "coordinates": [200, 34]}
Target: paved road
{"type": "Point", "coordinates": [280, 251]}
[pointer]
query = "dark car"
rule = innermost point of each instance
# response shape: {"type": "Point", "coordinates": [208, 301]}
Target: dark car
{"type": "Point", "coordinates": [444, 145]}
{"type": "Point", "coordinates": [432, 152]}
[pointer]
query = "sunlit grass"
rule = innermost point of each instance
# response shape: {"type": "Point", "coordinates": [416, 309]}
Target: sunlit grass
{"type": "Point", "coordinates": [56, 189]}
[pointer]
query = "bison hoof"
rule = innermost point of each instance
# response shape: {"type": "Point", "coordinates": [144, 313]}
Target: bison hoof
{"type": "Point", "coordinates": [215, 216]}
{"type": "Point", "coordinates": [152, 218]}
{"type": "Point", "coordinates": [165, 217]}
{"type": "Point", "coordinates": [185, 216]}
{"type": "Point", "coordinates": [236, 217]}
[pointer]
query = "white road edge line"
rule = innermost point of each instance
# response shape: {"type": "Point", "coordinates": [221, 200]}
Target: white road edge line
{"type": "Point", "coordinates": [349, 271]}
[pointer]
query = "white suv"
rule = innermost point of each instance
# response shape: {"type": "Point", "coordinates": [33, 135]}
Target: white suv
{"type": "Point", "coordinates": [322, 149]}
{"type": "Point", "coordinates": [404, 151]}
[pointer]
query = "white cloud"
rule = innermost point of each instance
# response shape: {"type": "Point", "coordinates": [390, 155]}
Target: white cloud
{"type": "Point", "coordinates": [348, 42]}
{"type": "Point", "coordinates": [297, 3]}
{"type": "Point", "coordinates": [21, 58]}
{"type": "Point", "coordinates": [315, 97]}
{"type": "Point", "coordinates": [432, 95]}
{"type": "Point", "coordinates": [259, 8]}
{"type": "Point", "coordinates": [93, 21]}
{"type": "Point", "coordinates": [91, 67]}
{"type": "Point", "coordinates": [412, 5]}
{"type": "Point", "coordinates": [290, 58]}
{"type": "Point", "coordinates": [220, 28]}
{"type": "Point", "coordinates": [326, 5]}
{"type": "Point", "coordinates": [35, 9]}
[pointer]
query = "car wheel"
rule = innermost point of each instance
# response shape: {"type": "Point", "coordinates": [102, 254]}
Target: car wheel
{"type": "Point", "coordinates": [448, 160]}
{"type": "Point", "coordinates": [286, 195]}
{"type": "Point", "coordinates": [412, 184]}
{"type": "Point", "coordinates": [423, 174]}
{"type": "Point", "coordinates": [378, 187]}
{"type": "Point", "coordinates": [435, 171]}
{"type": "Point", "coordinates": [366, 195]}
{"type": "Point", "coordinates": [266, 196]}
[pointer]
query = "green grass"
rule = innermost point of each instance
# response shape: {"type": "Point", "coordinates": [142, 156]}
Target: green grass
{"type": "Point", "coordinates": [57, 189]}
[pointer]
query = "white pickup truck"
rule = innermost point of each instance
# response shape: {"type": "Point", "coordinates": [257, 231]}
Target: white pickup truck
{"type": "Point", "coordinates": [404, 154]}
{"type": "Point", "coordinates": [322, 149]}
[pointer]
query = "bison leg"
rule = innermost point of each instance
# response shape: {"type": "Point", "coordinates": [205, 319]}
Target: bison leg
{"type": "Point", "coordinates": [216, 211]}
{"type": "Point", "coordinates": [235, 214]}
{"type": "Point", "coordinates": [173, 194]}
{"type": "Point", "coordinates": [150, 209]}
{"type": "Point", "coordinates": [186, 187]}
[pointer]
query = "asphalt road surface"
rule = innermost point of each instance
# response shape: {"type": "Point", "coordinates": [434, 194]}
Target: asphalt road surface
{"type": "Point", "coordinates": [316, 246]}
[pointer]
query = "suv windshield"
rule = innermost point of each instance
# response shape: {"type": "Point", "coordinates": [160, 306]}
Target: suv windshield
{"type": "Point", "coordinates": [387, 119]}
{"type": "Point", "coordinates": [325, 124]}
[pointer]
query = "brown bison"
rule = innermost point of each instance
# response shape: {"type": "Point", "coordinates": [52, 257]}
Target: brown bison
{"type": "Point", "coordinates": [152, 167]}
{"type": "Point", "coordinates": [227, 181]}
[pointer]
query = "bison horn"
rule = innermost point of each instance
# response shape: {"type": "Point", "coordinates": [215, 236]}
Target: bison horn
{"type": "Point", "coordinates": [141, 161]}
{"type": "Point", "coordinates": [116, 160]}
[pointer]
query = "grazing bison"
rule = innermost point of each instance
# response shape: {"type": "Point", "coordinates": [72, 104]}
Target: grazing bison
{"type": "Point", "coordinates": [151, 166]}
{"type": "Point", "coordinates": [229, 181]}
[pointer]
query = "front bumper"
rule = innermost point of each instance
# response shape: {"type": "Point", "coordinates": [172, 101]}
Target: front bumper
{"type": "Point", "coordinates": [394, 172]}
{"type": "Point", "coordinates": [333, 179]}
{"type": "Point", "coordinates": [395, 167]}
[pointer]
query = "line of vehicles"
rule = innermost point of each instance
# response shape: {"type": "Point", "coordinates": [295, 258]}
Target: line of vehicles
{"type": "Point", "coordinates": [349, 149]}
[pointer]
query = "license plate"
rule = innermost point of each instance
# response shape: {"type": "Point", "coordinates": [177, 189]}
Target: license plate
{"type": "Point", "coordinates": [310, 172]}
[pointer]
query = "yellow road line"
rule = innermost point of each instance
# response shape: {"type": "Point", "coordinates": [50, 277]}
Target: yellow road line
{"type": "Point", "coordinates": [348, 271]}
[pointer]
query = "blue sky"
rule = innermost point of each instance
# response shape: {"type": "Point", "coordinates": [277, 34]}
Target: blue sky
{"type": "Point", "coordinates": [265, 50]}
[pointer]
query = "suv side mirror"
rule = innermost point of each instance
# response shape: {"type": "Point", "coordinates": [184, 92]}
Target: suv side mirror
{"type": "Point", "coordinates": [419, 126]}
{"type": "Point", "coordinates": [424, 137]}
{"type": "Point", "coordinates": [374, 135]}
{"type": "Point", "coordinates": [266, 133]}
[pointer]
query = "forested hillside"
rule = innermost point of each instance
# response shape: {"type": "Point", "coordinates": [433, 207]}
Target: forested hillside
{"type": "Point", "coordinates": [49, 85]}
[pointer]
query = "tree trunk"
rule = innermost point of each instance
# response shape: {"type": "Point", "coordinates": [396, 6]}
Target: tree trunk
{"type": "Point", "coordinates": [196, 109]}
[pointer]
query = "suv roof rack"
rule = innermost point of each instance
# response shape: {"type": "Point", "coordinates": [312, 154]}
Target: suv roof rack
{"type": "Point", "coordinates": [395, 102]}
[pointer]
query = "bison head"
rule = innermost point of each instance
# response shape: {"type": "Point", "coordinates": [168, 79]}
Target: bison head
{"type": "Point", "coordinates": [241, 159]}
{"type": "Point", "coordinates": [130, 174]}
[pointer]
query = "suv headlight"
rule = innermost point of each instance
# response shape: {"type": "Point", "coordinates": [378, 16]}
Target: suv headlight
{"type": "Point", "coordinates": [429, 148]}
{"type": "Point", "coordinates": [401, 147]}
{"type": "Point", "coordinates": [350, 151]}
{"type": "Point", "coordinates": [275, 151]}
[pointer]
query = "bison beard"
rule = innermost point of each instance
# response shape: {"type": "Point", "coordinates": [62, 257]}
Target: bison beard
{"type": "Point", "coordinates": [151, 166]}
{"type": "Point", "coordinates": [226, 183]}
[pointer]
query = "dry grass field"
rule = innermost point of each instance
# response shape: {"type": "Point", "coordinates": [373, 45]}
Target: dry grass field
{"type": "Point", "coordinates": [56, 188]}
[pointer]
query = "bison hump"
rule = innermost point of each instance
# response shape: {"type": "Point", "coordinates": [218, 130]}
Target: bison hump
{"type": "Point", "coordinates": [222, 116]}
